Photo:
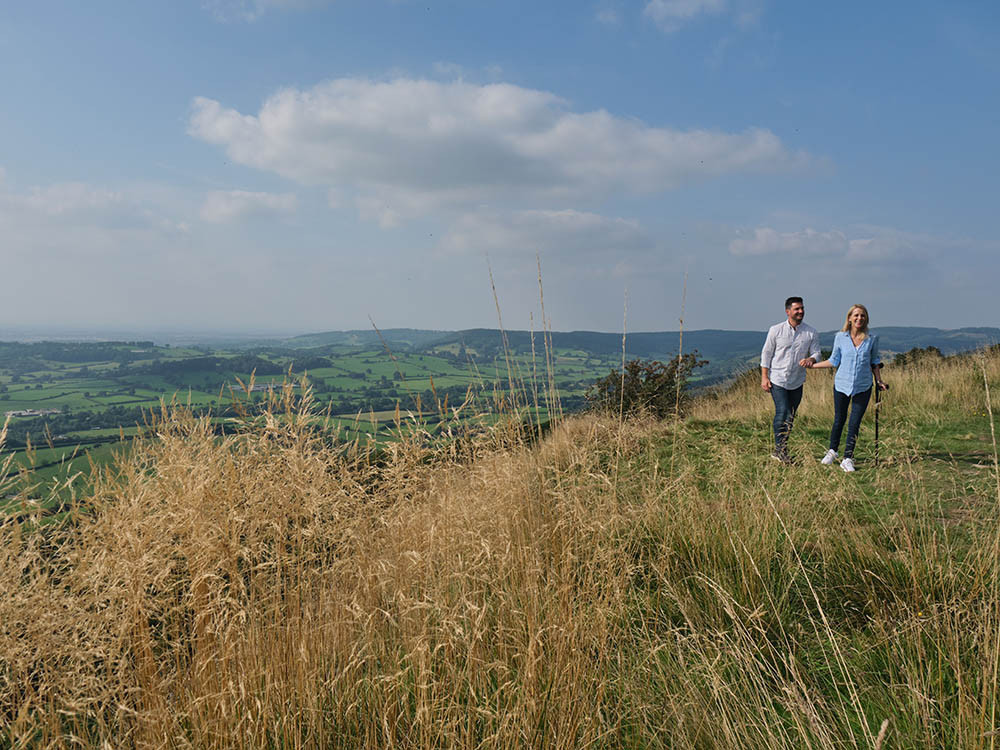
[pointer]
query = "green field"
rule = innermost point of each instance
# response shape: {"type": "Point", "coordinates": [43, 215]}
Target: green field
{"type": "Point", "coordinates": [107, 385]}
{"type": "Point", "coordinates": [86, 397]}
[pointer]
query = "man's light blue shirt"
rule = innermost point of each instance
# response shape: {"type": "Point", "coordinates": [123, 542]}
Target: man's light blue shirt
{"type": "Point", "coordinates": [854, 363]}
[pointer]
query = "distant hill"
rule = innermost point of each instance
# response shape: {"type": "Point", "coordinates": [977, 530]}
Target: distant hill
{"type": "Point", "coordinates": [643, 345]}
{"type": "Point", "coordinates": [895, 339]}
{"type": "Point", "coordinates": [708, 341]}
{"type": "Point", "coordinates": [727, 352]}
{"type": "Point", "coordinates": [410, 338]}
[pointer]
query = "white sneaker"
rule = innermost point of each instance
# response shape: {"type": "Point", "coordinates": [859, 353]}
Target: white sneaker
{"type": "Point", "coordinates": [847, 464]}
{"type": "Point", "coordinates": [829, 458]}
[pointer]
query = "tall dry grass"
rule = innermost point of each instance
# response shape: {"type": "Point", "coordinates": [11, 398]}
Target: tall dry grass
{"type": "Point", "coordinates": [268, 589]}
{"type": "Point", "coordinates": [925, 393]}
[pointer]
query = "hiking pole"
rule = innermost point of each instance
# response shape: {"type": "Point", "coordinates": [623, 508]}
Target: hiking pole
{"type": "Point", "coordinates": [878, 400]}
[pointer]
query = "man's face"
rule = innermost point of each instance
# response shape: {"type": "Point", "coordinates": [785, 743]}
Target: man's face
{"type": "Point", "coordinates": [795, 312]}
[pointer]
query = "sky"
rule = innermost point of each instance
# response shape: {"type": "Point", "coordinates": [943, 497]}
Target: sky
{"type": "Point", "coordinates": [294, 166]}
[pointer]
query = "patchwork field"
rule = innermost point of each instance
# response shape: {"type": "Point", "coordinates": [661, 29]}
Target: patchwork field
{"type": "Point", "coordinates": [87, 397]}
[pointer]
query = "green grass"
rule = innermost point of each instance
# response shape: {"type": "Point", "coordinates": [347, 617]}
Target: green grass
{"type": "Point", "coordinates": [51, 477]}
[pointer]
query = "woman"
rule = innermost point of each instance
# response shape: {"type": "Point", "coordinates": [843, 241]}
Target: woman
{"type": "Point", "coordinates": [855, 355]}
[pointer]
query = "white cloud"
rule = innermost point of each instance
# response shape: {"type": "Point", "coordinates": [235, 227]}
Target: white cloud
{"type": "Point", "coordinates": [64, 233]}
{"type": "Point", "coordinates": [411, 145]}
{"type": "Point", "coordinates": [72, 200]}
{"type": "Point", "coordinates": [717, 56]}
{"type": "Point", "coordinates": [608, 16]}
{"type": "Point", "coordinates": [567, 234]}
{"type": "Point", "coordinates": [222, 206]}
{"type": "Point", "coordinates": [862, 244]}
{"type": "Point", "coordinates": [670, 15]}
{"type": "Point", "coordinates": [749, 15]}
{"type": "Point", "coordinates": [767, 241]}
{"type": "Point", "coordinates": [73, 205]}
{"type": "Point", "coordinates": [377, 209]}
{"type": "Point", "coordinates": [122, 256]}
{"type": "Point", "coordinates": [877, 244]}
{"type": "Point", "coordinates": [448, 69]}
{"type": "Point", "coordinates": [457, 72]}
{"type": "Point", "coordinates": [250, 10]}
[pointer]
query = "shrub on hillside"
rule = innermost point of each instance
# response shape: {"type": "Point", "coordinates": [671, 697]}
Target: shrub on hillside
{"type": "Point", "coordinates": [917, 355]}
{"type": "Point", "coordinates": [646, 385]}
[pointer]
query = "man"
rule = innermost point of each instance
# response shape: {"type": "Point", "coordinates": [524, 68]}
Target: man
{"type": "Point", "coordinates": [789, 348]}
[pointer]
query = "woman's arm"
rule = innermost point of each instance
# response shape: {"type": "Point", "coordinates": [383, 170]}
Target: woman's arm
{"type": "Point", "coordinates": [879, 383]}
{"type": "Point", "coordinates": [834, 360]}
{"type": "Point", "coordinates": [876, 361]}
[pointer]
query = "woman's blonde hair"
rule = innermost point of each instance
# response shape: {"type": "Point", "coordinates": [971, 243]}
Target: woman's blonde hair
{"type": "Point", "coordinates": [847, 323]}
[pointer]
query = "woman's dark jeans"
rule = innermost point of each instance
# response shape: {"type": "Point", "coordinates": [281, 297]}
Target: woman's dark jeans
{"type": "Point", "coordinates": [840, 404]}
{"type": "Point", "coordinates": [785, 403]}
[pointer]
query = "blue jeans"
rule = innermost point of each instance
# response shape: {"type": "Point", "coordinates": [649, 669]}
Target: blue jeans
{"type": "Point", "coordinates": [859, 402]}
{"type": "Point", "coordinates": [785, 403]}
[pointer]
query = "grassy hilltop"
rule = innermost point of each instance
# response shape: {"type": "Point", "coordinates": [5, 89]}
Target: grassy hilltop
{"type": "Point", "coordinates": [615, 584]}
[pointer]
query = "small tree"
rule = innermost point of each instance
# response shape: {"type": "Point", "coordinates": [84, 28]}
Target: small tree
{"type": "Point", "coordinates": [648, 385]}
{"type": "Point", "coordinates": [917, 355]}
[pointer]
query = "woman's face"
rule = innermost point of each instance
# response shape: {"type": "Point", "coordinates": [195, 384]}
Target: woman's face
{"type": "Point", "coordinates": [858, 319]}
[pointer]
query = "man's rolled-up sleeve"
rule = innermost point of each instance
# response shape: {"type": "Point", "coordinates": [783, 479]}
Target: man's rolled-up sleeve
{"type": "Point", "coordinates": [767, 353]}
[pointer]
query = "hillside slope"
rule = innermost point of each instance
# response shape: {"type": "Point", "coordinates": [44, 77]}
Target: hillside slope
{"type": "Point", "coordinates": [632, 584]}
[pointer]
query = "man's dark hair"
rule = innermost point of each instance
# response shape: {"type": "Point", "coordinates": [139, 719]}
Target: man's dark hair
{"type": "Point", "coordinates": [792, 300]}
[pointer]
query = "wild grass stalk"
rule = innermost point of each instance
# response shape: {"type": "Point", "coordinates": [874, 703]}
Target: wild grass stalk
{"type": "Point", "coordinates": [553, 404]}
{"type": "Point", "coordinates": [678, 376]}
{"type": "Point", "coordinates": [503, 337]}
{"type": "Point", "coordinates": [621, 398]}
{"type": "Point", "coordinates": [534, 379]}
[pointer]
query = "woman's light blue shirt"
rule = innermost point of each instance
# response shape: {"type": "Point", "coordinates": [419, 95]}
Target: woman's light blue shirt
{"type": "Point", "coordinates": [854, 364]}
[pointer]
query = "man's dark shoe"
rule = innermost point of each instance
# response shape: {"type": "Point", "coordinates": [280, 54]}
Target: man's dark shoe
{"type": "Point", "coordinates": [783, 456]}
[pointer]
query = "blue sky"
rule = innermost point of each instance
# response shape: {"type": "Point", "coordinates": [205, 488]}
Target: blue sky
{"type": "Point", "coordinates": [305, 165]}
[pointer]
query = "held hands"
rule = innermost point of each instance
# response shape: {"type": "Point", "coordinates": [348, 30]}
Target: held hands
{"type": "Point", "coordinates": [808, 362]}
